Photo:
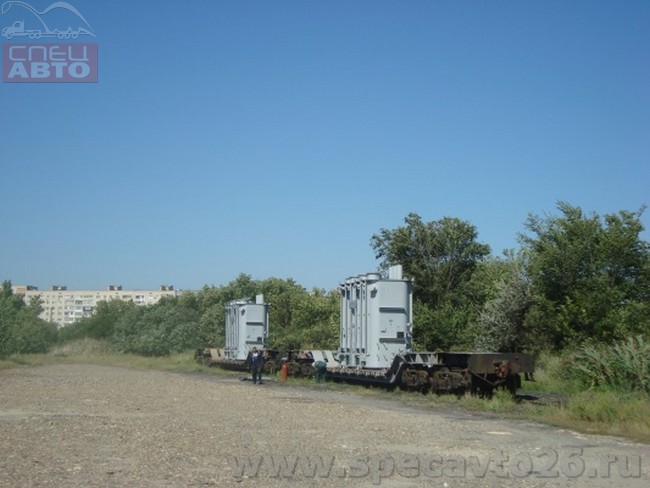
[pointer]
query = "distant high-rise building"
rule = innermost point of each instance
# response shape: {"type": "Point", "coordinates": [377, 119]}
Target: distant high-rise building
{"type": "Point", "coordinates": [64, 307]}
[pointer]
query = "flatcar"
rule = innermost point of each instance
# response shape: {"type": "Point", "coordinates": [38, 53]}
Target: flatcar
{"type": "Point", "coordinates": [376, 348]}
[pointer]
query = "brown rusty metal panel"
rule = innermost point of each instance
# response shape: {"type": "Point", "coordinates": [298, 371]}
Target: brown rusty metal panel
{"type": "Point", "coordinates": [500, 363]}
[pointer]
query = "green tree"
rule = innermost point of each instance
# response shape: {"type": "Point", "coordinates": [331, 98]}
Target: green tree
{"type": "Point", "coordinates": [211, 302]}
{"type": "Point", "coordinates": [21, 330]}
{"type": "Point", "coordinates": [10, 306]}
{"type": "Point", "coordinates": [241, 287]}
{"type": "Point", "coordinates": [501, 322]}
{"type": "Point", "coordinates": [169, 326]}
{"type": "Point", "coordinates": [441, 256]}
{"type": "Point", "coordinates": [590, 276]}
{"type": "Point", "coordinates": [30, 334]}
{"type": "Point", "coordinates": [297, 318]}
{"type": "Point", "coordinates": [101, 325]}
{"type": "Point", "coordinates": [282, 296]}
{"type": "Point", "coordinates": [127, 329]}
{"type": "Point", "coordinates": [317, 318]}
{"type": "Point", "coordinates": [212, 321]}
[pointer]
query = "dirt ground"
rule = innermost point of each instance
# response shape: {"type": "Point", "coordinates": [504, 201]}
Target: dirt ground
{"type": "Point", "coordinates": [99, 426]}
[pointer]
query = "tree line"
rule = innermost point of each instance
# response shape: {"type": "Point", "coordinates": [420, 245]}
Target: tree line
{"type": "Point", "coordinates": [299, 319]}
{"type": "Point", "coordinates": [577, 278]}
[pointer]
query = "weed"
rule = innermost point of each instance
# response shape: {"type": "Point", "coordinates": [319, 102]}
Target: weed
{"type": "Point", "coordinates": [622, 366]}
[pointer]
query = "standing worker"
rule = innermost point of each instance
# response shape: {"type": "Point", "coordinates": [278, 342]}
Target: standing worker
{"type": "Point", "coordinates": [257, 361]}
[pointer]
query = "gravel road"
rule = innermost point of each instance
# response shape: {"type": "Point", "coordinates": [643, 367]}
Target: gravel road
{"type": "Point", "coordinates": [99, 426]}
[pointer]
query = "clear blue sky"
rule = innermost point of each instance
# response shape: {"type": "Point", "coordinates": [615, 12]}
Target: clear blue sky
{"type": "Point", "coordinates": [275, 138]}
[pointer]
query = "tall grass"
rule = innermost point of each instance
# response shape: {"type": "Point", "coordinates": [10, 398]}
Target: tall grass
{"type": "Point", "coordinates": [550, 375]}
{"type": "Point", "coordinates": [603, 412]}
{"type": "Point", "coordinates": [623, 366]}
{"type": "Point", "coordinates": [604, 389]}
{"type": "Point", "coordinates": [85, 347]}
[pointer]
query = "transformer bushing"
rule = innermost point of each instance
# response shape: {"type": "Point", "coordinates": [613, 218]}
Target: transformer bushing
{"type": "Point", "coordinates": [247, 326]}
{"type": "Point", "coordinates": [376, 319]}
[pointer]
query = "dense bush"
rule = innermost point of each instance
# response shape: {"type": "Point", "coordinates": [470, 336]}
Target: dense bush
{"type": "Point", "coordinates": [21, 331]}
{"type": "Point", "coordinates": [170, 326]}
{"type": "Point", "coordinates": [101, 325]}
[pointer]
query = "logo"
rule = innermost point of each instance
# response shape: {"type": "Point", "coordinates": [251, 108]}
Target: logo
{"type": "Point", "coordinates": [48, 61]}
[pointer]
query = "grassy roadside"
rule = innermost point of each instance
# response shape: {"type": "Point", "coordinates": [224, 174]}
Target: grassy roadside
{"type": "Point", "coordinates": [90, 351]}
{"type": "Point", "coordinates": [593, 411]}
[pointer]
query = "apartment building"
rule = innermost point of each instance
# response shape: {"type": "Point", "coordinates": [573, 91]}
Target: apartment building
{"type": "Point", "coordinates": [64, 307]}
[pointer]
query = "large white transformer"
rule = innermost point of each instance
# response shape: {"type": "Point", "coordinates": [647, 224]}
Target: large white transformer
{"type": "Point", "coordinates": [376, 319]}
{"type": "Point", "coordinates": [247, 326]}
